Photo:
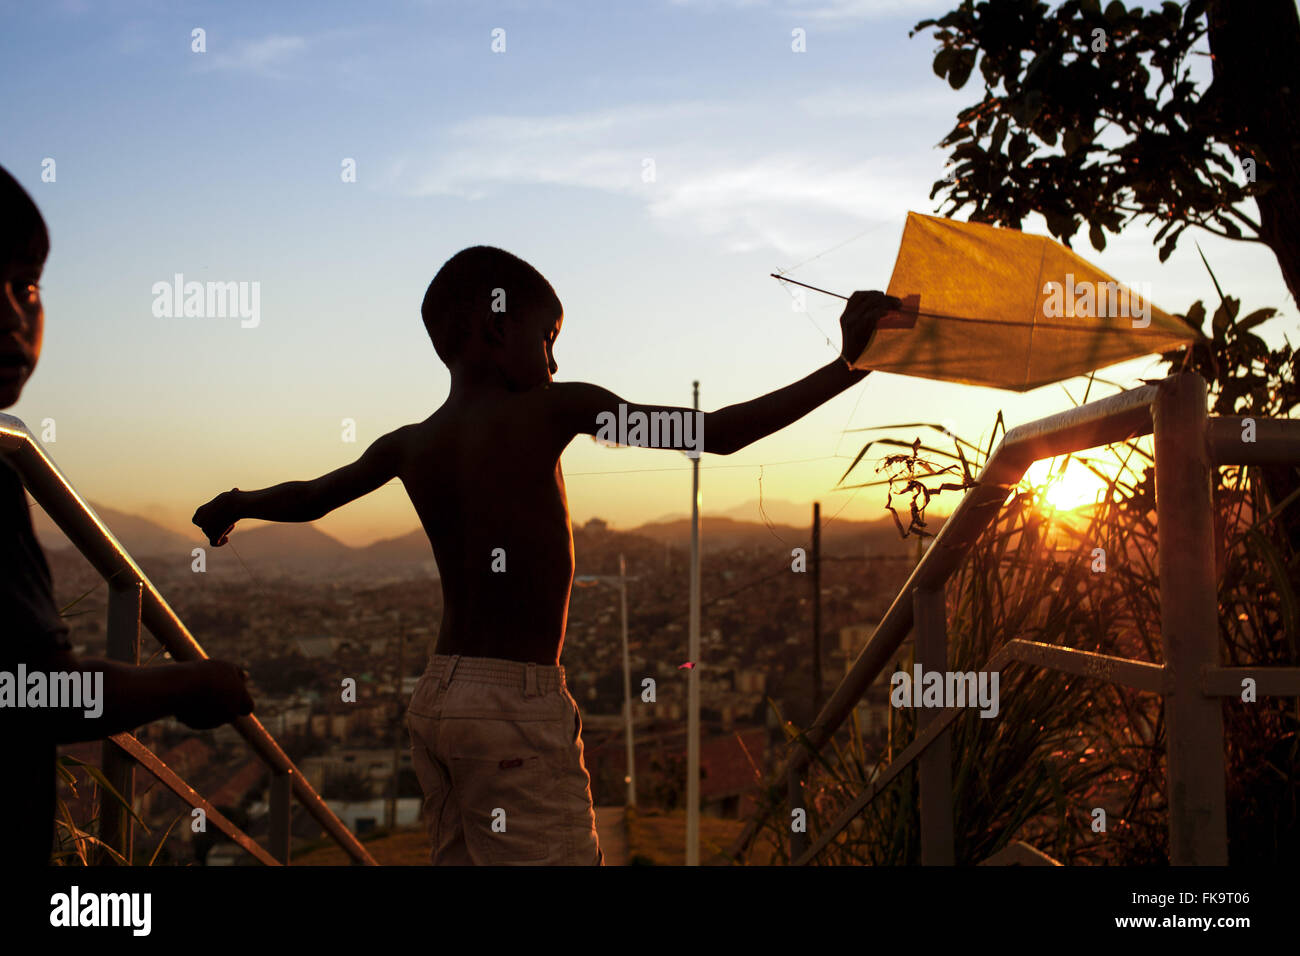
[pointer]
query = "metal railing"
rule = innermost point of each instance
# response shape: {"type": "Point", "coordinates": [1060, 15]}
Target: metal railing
{"type": "Point", "coordinates": [1189, 444]}
{"type": "Point", "coordinates": [133, 601]}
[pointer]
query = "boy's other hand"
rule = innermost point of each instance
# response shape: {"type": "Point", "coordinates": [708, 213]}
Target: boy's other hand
{"type": "Point", "coordinates": [215, 693]}
{"type": "Point", "coordinates": [858, 322]}
{"type": "Point", "coordinates": [217, 518]}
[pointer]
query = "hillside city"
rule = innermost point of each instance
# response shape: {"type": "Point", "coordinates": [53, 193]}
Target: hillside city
{"type": "Point", "coordinates": [302, 628]}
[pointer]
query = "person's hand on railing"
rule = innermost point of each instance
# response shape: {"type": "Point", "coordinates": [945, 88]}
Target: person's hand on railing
{"type": "Point", "coordinates": [216, 693]}
{"type": "Point", "coordinates": [217, 518]}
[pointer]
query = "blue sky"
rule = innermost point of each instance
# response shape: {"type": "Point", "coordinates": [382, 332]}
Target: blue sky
{"type": "Point", "coordinates": [225, 165]}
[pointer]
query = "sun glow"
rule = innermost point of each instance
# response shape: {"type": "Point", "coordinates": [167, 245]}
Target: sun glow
{"type": "Point", "coordinates": [1074, 487]}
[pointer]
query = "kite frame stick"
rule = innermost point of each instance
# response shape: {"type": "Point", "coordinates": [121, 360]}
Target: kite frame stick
{"type": "Point", "coordinates": [903, 311]}
{"type": "Point", "coordinates": [775, 275]}
{"type": "Point", "coordinates": [937, 315]}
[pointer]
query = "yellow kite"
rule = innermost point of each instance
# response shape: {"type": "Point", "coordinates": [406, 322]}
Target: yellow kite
{"type": "Point", "coordinates": [992, 306]}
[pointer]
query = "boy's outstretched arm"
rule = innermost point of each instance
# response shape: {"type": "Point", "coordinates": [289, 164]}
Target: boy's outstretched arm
{"type": "Point", "coordinates": [732, 428]}
{"type": "Point", "coordinates": [303, 500]}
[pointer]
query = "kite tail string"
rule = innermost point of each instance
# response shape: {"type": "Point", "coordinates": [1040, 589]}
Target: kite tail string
{"type": "Point", "coordinates": [256, 583]}
{"type": "Point", "coordinates": [771, 526]}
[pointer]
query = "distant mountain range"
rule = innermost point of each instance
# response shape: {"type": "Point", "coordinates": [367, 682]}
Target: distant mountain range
{"type": "Point", "coordinates": [292, 549]}
{"type": "Point", "coordinates": [839, 537]}
{"type": "Point", "coordinates": [304, 550]}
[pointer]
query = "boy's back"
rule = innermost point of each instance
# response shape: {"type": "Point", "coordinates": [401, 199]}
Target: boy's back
{"type": "Point", "coordinates": [498, 521]}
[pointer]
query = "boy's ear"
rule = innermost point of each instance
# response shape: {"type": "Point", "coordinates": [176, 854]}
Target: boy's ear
{"type": "Point", "coordinates": [494, 328]}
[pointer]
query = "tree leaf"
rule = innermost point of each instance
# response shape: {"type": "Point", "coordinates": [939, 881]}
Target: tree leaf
{"type": "Point", "coordinates": [961, 69]}
{"type": "Point", "coordinates": [999, 135]}
{"type": "Point", "coordinates": [1097, 236]}
{"type": "Point", "coordinates": [943, 61]}
{"type": "Point", "coordinates": [1258, 317]}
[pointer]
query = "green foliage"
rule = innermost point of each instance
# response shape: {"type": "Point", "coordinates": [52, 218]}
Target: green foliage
{"type": "Point", "coordinates": [1089, 117]}
{"type": "Point", "coordinates": [1245, 376]}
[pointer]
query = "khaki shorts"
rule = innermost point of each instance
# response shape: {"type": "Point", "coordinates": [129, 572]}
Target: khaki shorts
{"type": "Point", "coordinates": [497, 746]}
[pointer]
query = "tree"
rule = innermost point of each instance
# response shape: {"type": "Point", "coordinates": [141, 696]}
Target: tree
{"type": "Point", "coordinates": [1071, 74]}
{"type": "Point", "coordinates": [1136, 137]}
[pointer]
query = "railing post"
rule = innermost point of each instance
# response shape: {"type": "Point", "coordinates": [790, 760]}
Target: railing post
{"type": "Point", "coordinates": [1189, 624]}
{"type": "Point", "coordinates": [930, 630]}
{"type": "Point", "coordinates": [130, 606]}
{"type": "Point", "coordinates": [794, 796]}
{"type": "Point", "coordinates": [116, 826]}
{"type": "Point", "coordinates": [281, 799]}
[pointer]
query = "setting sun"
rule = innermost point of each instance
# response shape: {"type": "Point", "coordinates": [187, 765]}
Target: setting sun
{"type": "Point", "coordinates": [1073, 487]}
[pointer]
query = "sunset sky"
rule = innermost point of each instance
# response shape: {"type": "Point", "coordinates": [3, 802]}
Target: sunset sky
{"type": "Point", "coordinates": [225, 166]}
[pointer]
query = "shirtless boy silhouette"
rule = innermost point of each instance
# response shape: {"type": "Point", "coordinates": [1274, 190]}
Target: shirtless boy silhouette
{"type": "Point", "coordinates": [496, 736]}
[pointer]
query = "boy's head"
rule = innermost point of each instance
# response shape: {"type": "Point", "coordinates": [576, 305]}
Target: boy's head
{"type": "Point", "coordinates": [488, 306]}
{"type": "Point", "coordinates": [24, 245]}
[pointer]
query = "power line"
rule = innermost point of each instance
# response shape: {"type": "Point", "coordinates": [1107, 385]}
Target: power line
{"type": "Point", "coordinates": [640, 471]}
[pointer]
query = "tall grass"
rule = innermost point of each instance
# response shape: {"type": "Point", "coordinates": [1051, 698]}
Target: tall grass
{"type": "Point", "coordinates": [1061, 746]}
{"type": "Point", "coordinates": [77, 842]}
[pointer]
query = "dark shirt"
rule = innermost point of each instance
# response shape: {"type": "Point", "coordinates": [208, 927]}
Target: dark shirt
{"type": "Point", "coordinates": [32, 633]}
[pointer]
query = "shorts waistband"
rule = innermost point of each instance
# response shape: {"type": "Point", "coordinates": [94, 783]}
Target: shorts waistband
{"type": "Point", "coordinates": [531, 678]}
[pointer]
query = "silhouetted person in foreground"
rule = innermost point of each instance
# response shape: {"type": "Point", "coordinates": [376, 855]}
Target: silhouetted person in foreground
{"type": "Point", "coordinates": [33, 638]}
{"type": "Point", "coordinates": [496, 736]}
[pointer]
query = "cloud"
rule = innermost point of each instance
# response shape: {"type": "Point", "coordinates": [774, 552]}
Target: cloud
{"type": "Point", "coordinates": [828, 10]}
{"type": "Point", "coordinates": [838, 102]}
{"type": "Point", "coordinates": [708, 177]}
{"type": "Point", "coordinates": [264, 56]}
{"type": "Point", "coordinates": [870, 9]}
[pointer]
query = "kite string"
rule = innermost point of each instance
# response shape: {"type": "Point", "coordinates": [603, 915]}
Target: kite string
{"type": "Point", "coordinates": [837, 245]}
{"type": "Point", "coordinates": [781, 275]}
{"type": "Point", "coordinates": [771, 526]}
{"type": "Point", "coordinates": [829, 343]}
{"type": "Point", "coordinates": [800, 265]}
{"type": "Point", "coordinates": [256, 583]}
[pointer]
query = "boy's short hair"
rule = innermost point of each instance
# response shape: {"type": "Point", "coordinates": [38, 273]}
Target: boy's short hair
{"type": "Point", "coordinates": [22, 229]}
{"type": "Point", "coordinates": [463, 292]}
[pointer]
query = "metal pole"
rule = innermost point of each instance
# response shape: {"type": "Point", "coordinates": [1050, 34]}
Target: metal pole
{"type": "Point", "coordinates": [1117, 418]}
{"type": "Point", "coordinates": [281, 830]}
{"type": "Point", "coordinates": [106, 555]}
{"type": "Point", "coordinates": [817, 607]}
{"type": "Point", "coordinates": [935, 765]}
{"type": "Point", "coordinates": [627, 688]}
{"type": "Point", "coordinates": [693, 673]}
{"type": "Point", "coordinates": [397, 736]}
{"type": "Point", "coordinates": [1189, 624]}
{"type": "Point", "coordinates": [124, 606]}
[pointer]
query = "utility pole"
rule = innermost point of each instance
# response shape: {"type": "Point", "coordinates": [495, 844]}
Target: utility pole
{"type": "Point", "coordinates": [817, 607]}
{"type": "Point", "coordinates": [630, 779]}
{"type": "Point", "coordinates": [397, 737]}
{"type": "Point", "coordinates": [583, 579]}
{"type": "Point", "coordinates": [693, 672]}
